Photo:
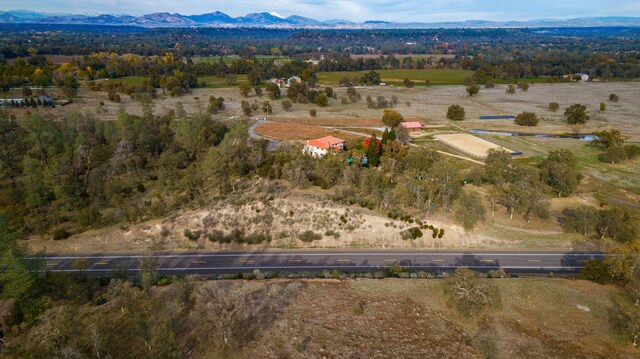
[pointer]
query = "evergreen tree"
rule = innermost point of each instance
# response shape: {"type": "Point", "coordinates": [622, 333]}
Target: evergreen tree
{"type": "Point", "coordinates": [385, 137]}
{"type": "Point", "coordinates": [392, 134]}
{"type": "Point", "coordinates": [373, 151]}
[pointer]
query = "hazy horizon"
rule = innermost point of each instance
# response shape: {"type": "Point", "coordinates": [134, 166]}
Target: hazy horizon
{"type": "Point", "coordinates": [360, 10]}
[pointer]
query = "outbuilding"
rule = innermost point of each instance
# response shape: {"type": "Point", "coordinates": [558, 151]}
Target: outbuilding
{"type": "Point", "coordinates": [412, 126]}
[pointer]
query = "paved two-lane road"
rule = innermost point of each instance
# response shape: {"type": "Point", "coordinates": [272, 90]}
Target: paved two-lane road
{"type": "Point", "coordinates": [208, 263]}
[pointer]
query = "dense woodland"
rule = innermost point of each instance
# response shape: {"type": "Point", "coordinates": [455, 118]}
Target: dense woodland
{"type": "Point", "coordinates": [112, 52]}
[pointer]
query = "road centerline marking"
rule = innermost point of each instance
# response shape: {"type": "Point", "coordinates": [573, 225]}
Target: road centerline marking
{"type": "Point", "coordinates": [101, 263]}
{"type": "Point", "coordinates": [535, 260]}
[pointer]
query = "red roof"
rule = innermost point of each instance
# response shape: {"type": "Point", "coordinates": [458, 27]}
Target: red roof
{"type": "Point", "coordinates": [411, 125]}
{"type": "Point", "coordinates": [326, 142]}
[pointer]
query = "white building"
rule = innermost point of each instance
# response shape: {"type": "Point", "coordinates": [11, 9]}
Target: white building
{"type": "Point", "coordinates": [322, 146]}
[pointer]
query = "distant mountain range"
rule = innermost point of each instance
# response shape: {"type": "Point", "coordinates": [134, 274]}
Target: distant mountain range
{"type": "Point", "coordinates": [265, 19]}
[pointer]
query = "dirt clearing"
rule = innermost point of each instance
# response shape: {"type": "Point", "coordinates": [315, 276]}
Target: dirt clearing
{"type": "Point", "coordinates": [470, 144]}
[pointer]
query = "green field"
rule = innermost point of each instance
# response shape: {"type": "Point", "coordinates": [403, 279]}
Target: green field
{"type": "Point", "coordinates": [219, 82]}
{"type": "Point", "coordinates": [395, 77]}
{"type": "Point", "coordinates": [131, 80]}
{"type": "Point", "coordinates": [212, 81]}
{"type": "Point", "coordinates": [232, 58]}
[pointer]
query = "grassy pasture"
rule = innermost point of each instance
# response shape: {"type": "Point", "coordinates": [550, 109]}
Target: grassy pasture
{"type": "Point", "coordinates": [212, 81]}
{"type": "Point", "coordinates": [232, 58]}
{"type": "Point", "coordinates": [395, 77]}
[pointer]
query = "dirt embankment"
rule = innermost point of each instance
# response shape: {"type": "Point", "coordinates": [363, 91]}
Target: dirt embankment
{"type": "Point", "coordinates": [284, 221]}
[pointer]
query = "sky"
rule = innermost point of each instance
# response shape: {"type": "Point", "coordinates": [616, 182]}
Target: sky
{"type": "Point", "coordinates": [354, 10]}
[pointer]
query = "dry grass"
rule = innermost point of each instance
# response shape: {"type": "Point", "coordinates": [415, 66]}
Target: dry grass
{"type": "Point", "coordinates": [327, 318]}
{"type": "Point", "coordinates": [539, 317]}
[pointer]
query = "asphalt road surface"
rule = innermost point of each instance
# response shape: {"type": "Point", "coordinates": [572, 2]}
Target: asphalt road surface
{"type": "Point", "coordinates": [208, 263]}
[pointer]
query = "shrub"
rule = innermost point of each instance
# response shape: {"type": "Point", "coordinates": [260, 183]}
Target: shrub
{"type": "Point", "coordinates": [614, 98]}
{"type": "Point", "coordinates": [286, 105]}
{"type": "Point", "coordinates": [61, 233]}
{"type": "Point", "coordinates": [88, 216]}
{"type": "Point", "coordinates": [554, 106]}
{"type": "Point", "coordinates": [597, 271]}
{"type": "Point", "coordinates": [313, 112]}
{"type": "Point", "coordinates": [237, 235]}
{"type": "Point", "coordinates": [332, 233]}
{"type": "Point", "coordinates": [192, 236]}
{"type": "Point", "coordinates": [473, 90]}
{"type": "Point", "coordinates": [415, 232]}
{"type": "Point", "coordinates": [309, 236]}
{"type": "Point", "coordinates": [497, 273]}
{"type": "Point", "coordinates": [335, 274]}
{"type": "Point", "coordinates": [164, 281]}
{"type": "Point", "coordinates": [632, 151]}
{"type": "Point", "coordinates": [614, 154]}
{"type": "Point", "coordinates": [256, 238]}
{"type": "Point", "coordinates": [218, 236]}
{"type": "Point", "coordinates": [527, 119]}
{"type": "Point", "coordinates": [470, 294]}
{"type": "Point", "coordinates": [511, 89]}
{"type": "Point", "coordinates": [394, 271]}
{"type": "Point", "coordinates": [455, 113]}
{"type": "Point", "coordinates": [322, 100]}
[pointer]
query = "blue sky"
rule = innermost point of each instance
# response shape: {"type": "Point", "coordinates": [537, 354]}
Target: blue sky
{"type": "Point", "coordinates": [357, 10]}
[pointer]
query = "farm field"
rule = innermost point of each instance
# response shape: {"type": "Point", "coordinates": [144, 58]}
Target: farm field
{"type": "Point", "coordinates": [335, 122]}
{"type": "Point", "coordinates": [232, 58]}
{"type": "Point", "coordinates": [402, 56]}
{"type": "Point", "coordinates": [436, 76]}
{"type": "Point", "coordinates": [212, 81]}
{"type": "Point", "coordinates": [297, 132]}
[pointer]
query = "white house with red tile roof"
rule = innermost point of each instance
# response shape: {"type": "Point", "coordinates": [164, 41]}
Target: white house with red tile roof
{"type": "Point", "coordinates": [412, 126]}
{"type": "Point", "coordinates": [321, 146]}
